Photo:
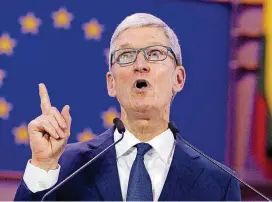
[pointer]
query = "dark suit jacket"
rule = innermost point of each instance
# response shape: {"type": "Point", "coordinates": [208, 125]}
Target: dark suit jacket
{"type": "Point", "coordinates": [191, 177]}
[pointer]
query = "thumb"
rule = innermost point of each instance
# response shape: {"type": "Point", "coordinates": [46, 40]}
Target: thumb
{"type": "Point", "coordinates": [66, 115]}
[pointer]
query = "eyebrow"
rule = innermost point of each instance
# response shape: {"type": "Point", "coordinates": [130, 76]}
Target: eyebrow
{"type": "Point", "coordinates": [129, 45]}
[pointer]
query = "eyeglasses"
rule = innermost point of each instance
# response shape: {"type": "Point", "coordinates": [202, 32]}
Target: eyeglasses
{"type": "Point", "coordinates": [128, 56]}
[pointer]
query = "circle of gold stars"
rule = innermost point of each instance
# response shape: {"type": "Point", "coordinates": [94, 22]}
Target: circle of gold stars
{"type": "Point", "coordinates": [30, 24]}
{"type": "Point", "coordinates": [62, 18]}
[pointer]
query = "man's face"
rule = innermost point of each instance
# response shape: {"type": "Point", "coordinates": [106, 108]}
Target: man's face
{"type": "Point", "coordinates": [144, 85]}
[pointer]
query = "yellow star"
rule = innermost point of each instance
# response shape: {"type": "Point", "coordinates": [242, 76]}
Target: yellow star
{"type": "Point", "coordinates": [29, 23]}
{"type": "Point", "coordinates": [2, 76]}
{"type": "Point", "coordinates": [21, 134]}
{"type": "Point", "coordinates": [62, 18]}
{"type": "Point", "coordinates": [5, 108]}
{"type": "Point", "coordinates": [86, 135]}
{"type": "Point", "coordinates": [6, 44]}
{"type": "Point", "coordinates": [108, 117]}
{"type": "Point", "coordinates": [93, 29]}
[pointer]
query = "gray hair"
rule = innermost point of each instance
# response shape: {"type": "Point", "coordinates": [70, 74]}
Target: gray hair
{"type": "Point", "coordinates": [142, 20]}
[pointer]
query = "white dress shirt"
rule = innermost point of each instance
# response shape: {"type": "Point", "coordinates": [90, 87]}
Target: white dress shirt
{"type": "Point", "coordinates": [157, 162]}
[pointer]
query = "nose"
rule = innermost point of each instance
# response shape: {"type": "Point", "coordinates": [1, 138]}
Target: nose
{"type": "Point", "coordinates": [141, 65]}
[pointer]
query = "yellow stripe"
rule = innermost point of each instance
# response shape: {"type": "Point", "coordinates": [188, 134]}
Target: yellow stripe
{"type": "Point", "coordinates": [268, 52]}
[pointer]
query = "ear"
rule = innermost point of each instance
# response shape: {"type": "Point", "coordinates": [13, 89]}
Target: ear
{"type": "Point", "coordinates": [179, 77]}
{"type": "Point", "coordinates": [111, 84]}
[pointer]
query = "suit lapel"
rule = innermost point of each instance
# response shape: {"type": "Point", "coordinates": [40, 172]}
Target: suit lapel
{"type": "Point", "coordinates": [182, 175]}
{"type": "Point", "coordinates": [104, 170]}
{"type": "Point", "coordinates": [188, 179]}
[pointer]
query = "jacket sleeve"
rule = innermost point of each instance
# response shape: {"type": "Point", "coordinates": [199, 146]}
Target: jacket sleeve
{"type": "Point", "coordinates": [24, 194]}
{"type": "Point", "coordinates": [29, 189]}
{"type": "Point", "coordinates": [66, 163]}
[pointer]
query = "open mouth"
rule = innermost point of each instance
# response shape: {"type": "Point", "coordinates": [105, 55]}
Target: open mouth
{"type": "Point", "coordinates": [141, 83]}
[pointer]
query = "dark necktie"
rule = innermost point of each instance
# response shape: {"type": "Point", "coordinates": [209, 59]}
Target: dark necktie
{"type": "Point", "coordinates": [139, 184]}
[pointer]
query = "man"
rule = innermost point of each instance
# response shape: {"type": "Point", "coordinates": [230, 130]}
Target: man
{"type": "Point", "coordinates": [145, 73]}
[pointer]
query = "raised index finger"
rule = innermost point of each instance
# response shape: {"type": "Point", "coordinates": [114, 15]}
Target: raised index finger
{"type": "Point", "coordinates": [45, 100]}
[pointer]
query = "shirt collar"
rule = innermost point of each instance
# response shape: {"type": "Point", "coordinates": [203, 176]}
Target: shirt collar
{"type": "Point", "coordinates": [163, 144]}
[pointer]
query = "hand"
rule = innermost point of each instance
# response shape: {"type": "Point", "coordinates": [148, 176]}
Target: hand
{"type": "Point", "coordinates": [48, 133]}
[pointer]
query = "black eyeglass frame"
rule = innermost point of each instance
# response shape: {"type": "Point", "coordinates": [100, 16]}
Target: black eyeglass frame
{"type": "Point", "coordinates": [144, 51]}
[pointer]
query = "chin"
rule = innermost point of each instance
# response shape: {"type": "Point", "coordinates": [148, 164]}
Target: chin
{"type": "Point", "coordinates": [141, 103]}
{"type": "Point", "coordinates": [144, 105]}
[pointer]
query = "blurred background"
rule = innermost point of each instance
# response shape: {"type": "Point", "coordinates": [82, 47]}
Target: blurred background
{"type": "Point", "coordinates": [225, 108]}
